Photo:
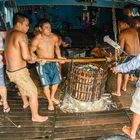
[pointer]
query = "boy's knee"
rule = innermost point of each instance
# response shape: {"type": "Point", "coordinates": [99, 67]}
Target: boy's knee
{"type": "Point", "coordinates": [33, 94]}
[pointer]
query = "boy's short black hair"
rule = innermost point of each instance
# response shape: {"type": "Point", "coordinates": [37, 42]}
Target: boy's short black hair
{"type": "Point", "coordinates": [19, 17]}
{"type": "Point", "coordinates": [43, 21]}
{"type": "Point", "coordinates": [128, 7]}
{"type": "Point", "coordinates": [125, 20]}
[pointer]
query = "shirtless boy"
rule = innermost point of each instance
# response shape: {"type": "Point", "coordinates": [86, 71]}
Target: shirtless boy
{"type": "Point", "coordinates": [17, 55]}
{"type": "Point", "coordinates": [129, 42]}
{"type": "Point", "coordinates": [46, 45]}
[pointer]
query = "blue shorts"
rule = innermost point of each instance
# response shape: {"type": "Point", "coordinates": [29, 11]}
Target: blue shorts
{"type": "Point", "coordinates": [48, 73]}
{"type": "Point", "coordinates": [2, 82]}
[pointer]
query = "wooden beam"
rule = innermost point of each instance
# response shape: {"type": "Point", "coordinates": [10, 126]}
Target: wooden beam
{"type": "Point", "coordinates": [78, 60]}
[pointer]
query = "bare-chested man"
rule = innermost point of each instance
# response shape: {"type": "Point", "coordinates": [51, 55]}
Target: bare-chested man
{"type": "Point", "coordinates": [17, 55]}
{"type": "Point", "coordinates": [129, 42]}
{"type": "Point", "coordinates": [46, 45]}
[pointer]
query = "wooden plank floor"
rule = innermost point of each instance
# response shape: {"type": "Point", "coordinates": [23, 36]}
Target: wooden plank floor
{"type": "Point", "coordinates": [60, 126]}
{"type": "Point", "coordinates": [89, 125]}
{"type": "Point", "coordinates": [29, 129]}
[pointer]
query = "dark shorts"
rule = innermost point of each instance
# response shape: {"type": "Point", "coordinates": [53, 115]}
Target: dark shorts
{"type": "Point", "coordinates": [48, 73]}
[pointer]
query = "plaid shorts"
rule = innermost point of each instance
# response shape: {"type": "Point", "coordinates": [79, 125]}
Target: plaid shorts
{"type": "Point", "coordinates": [23, 81]}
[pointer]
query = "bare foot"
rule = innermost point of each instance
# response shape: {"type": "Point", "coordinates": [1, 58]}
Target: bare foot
{"type": "Point", "coordinates": [6, 110]}
{"type": "Point", "coordinates": [50, 107]}
{"type": "Point", "coordinates": [116, 94]}
{"type": "Point", "coordinates": [55, 101]}
{"type": "Point", "coordinates": [6, 107]}
{"type": "Point", "coordinates": [25, 105]}
{"type": "Point", "coordinates": [123, 89]}
{"type": "Point", "coordinates": [127, 131]}
{"type": "Point", "coordinates": [39, 118]}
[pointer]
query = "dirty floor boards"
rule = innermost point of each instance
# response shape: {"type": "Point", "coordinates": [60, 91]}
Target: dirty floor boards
{"type": "Point", "coordinates": [67, 126]}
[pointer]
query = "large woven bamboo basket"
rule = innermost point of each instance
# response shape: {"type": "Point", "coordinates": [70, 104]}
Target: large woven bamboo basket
{"type": "Point", "coordinates": [87, 85]}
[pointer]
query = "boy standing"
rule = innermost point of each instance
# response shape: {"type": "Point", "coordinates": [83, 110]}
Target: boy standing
{"type": "Point", "coordinates": [46, 45]}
